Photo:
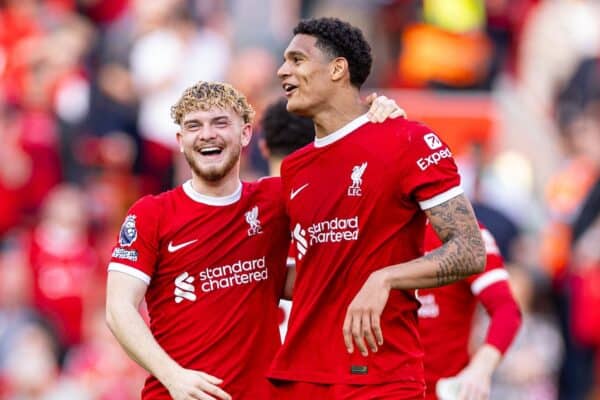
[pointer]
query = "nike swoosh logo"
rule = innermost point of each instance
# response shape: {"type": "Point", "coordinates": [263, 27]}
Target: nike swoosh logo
{"type": "Point", "coordinates": [295, 192]}
{"type": "Point", "coordinates": [173, 249]}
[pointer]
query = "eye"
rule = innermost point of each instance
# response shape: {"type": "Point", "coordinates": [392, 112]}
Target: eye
{"type": "Point", "coordinates": [221, 124]}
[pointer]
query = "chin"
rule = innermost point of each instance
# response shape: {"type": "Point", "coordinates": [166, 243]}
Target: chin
{"type": "Point", "coordinates": [297, 108]}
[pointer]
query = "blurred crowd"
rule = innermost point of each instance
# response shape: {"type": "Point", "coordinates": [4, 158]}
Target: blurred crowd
{"type": "Point", "coordinates": [85, 92]}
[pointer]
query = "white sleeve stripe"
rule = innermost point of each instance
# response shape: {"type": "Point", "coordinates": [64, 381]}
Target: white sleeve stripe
{"type": "Point", "coordinates": [126, 269]}
{"type": "Point", "coordinates": [487, 279]}
{"type": "Point", "coordinates": [440, 198]}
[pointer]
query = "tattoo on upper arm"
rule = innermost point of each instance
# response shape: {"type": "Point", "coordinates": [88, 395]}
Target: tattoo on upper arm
{"type": "Point", "coordinates": [455, 224]}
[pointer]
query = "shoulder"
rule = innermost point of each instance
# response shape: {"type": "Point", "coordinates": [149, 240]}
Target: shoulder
{"type": "Point", "coordinates": [267, 184]}
{"type": "Point", "coordinates": [297, 157]}
{"type": "Point", "coordinates": [265, 190]}
{"type": "Point", "coordinates": [402, 129]}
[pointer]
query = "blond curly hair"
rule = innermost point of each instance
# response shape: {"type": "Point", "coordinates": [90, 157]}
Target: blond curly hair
{"type": "Point", "coordinates": [205, 95]}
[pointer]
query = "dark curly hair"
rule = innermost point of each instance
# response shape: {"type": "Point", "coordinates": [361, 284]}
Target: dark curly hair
{"type": "Point", "coordinates": [285, 132]}
{"type": "Point", "coordinates": [340, 39]}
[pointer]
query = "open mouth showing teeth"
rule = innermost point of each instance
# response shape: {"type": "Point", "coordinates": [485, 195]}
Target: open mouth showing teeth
{"type": "Point", "coordinates": [289, 88]}
{"type": "Point", "coordinates": [211, 151]}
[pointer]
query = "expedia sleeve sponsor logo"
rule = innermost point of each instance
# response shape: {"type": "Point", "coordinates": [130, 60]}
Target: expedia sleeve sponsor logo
{"type": "Point", "coordinates": [433, 159]}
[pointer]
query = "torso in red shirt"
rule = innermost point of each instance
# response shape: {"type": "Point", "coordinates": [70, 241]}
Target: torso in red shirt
{"type": "Point", "coordinates": [354, 200]}
{"type": "Point", "coordinates": [446, 313]}
{"type": "Point", "coordinates": [215, 269]}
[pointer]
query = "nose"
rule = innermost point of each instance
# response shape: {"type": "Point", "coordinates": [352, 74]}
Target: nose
{"type": "Point", "coordinates": [206, 134]}
{"type": "Point", "coordinates": [283, 71]}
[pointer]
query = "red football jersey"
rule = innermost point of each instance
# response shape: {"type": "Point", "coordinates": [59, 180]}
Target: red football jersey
{"type": "Point", "coordinates": [63, 268]}
{"type": "Point", "coordinates": [355, 201]}
{"type": "Point", "coordinates": [446, 313]}
{"type": "Point", "coordinates": [215, 269]}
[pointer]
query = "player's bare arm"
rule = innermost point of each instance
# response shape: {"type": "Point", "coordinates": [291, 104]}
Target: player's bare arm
{"type": "Point", "coordinates": [462, 254]}
{"type": "Point", "coordinates": [290, 278]}
{"type": "Point", "coordinates": [124, 294]}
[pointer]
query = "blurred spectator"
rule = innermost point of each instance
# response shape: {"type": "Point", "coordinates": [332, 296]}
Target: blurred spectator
{"type": "Point", "coordinates": [63, 262]}
{"type": "Point", "coordinates": [573, 30]}
{"type": "Point", "coordinates": [100, 365]}
{"type": "Point", "coordinates": [15, 295]}
{"type": "Point", "coordinates": [32, 369]}
{"type": "Point", "coordinates": [529, 369]}
{"type": "Point", "coordinates": [164, 61]}
{"type": "Point", "coordinates": [581, 301]}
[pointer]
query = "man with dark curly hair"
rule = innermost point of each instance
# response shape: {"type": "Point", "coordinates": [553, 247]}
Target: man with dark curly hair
{"type": "Point", "coordinates": [358, 198]}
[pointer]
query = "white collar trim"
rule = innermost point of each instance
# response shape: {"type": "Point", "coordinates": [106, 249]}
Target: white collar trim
{"type": "Point", "coordinates": [343, 131]}
{"type": "Point", "coordinates": [212, 200]}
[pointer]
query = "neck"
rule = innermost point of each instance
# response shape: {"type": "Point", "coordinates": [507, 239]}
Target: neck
{"type": "Point", "coordinates": [275, 166]}
{"type": "Point", "coordinates": [343, 108]}
{"type": "Point", "coordinates": [221, 188]}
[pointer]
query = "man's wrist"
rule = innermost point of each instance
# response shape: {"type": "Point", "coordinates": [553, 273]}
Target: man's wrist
{"type": "Point", "coordinates": [386, 277]}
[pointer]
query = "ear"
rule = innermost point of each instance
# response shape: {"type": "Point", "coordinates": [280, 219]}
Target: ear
{"type": "Point", "coordinates": [339, 68]}
{"type": "Point", "coordinates": [179, 138]}
{"type": "Point", "coordinates": [246, 134]}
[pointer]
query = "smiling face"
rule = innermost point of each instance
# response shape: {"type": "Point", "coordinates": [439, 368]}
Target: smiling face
{"type": "Point", "coordinates": [308, 75]}
{"type": "Point", "coordinates": [212, 141]}
{"type": "Point", "coordinates": [215, 120]}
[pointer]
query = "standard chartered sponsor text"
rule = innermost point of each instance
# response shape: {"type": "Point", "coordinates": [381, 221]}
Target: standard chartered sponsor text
{"type": "Point", "coordinates": [241, 272]}
{"type": "Point", "coordinates": [333, 230]}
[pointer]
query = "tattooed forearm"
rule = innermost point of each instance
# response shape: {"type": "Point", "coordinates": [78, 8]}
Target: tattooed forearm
{"type": "Point", "coordinates": [463, 252]}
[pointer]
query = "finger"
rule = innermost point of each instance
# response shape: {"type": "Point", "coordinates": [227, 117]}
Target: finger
{"type": "Point", "coordinates": [386, 110]}
{"type": "Point", "coordinates": [371, 98]}
{"type": "Point", "coordinates": [348, 333]}
{"type": "Point", "coordinates": [376, 326]}
{"type": "Point", "coordinates": [215, 391]}
{"type": "Point", "coordinates": [368, 333]}
{"type": "Point", "coordinates": [210, 379]}
{"type": "Point", "coordinates": [398, 112]}
{"type": "Point", "coordinates": [358, 335]}
{"type": "Point", "coordinates": [466, 391]}
{"type": "Point", "coordinates": [200, 395]}
{"type": "Point", "coordinates": [462, 393]}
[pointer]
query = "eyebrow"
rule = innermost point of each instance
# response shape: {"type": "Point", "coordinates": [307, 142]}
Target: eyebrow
{"type": "Point", "coordinates": [291, 53]}
{"type": "Point", "coordinates": [215, 119]}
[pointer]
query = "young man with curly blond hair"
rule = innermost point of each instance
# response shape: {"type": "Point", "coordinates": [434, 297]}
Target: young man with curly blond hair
{"type": "Point", "coordinates": [210, 259]}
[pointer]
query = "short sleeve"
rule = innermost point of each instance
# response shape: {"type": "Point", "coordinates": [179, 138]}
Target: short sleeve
{"type": "Point", "coordinates": [136, 250]}
{"type": "Point", "coordinates": [429, 174]}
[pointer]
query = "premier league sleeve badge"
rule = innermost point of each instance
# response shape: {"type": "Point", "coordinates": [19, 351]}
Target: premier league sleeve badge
{"type": "Point", "coordinates": [128, 233]}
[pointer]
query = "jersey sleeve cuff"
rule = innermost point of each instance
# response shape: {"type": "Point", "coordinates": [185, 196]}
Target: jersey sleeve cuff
{"type": "Point", "coordinates": [441, 198]}
{"type": "Point", "coordinates": [487, 279]}
{"type": "Point", "coordinates": [126, 269]}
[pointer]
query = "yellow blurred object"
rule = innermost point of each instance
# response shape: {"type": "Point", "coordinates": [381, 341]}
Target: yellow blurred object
{"type": "Point", "coordinates": [432, 54]}
{"type": "Point", "coordinates": [458, 16]}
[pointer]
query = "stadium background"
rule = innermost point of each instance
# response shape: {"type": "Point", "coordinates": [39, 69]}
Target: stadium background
{"type": "Point", "coordinates": [85, 91]}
